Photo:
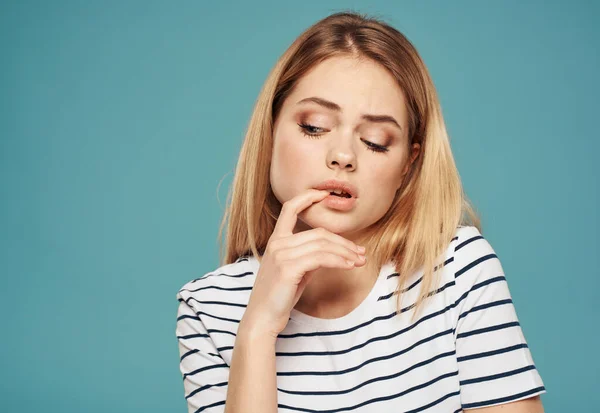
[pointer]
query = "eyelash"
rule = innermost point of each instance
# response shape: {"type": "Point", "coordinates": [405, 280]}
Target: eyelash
{"type": "Point", "coordinates": [370, 145]}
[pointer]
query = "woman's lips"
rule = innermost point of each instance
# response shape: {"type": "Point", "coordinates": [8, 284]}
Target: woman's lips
{"type": "Point", "coordinates": [333, 184]}
{"type": "Point", "coordinates": [339, 203]}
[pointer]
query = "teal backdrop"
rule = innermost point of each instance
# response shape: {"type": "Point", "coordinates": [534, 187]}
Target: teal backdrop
{"type": "Point", "coordinates": [120, 119]}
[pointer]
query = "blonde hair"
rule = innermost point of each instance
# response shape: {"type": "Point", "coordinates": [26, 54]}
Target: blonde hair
{"type": "Point", "coordinates": [429, 205]}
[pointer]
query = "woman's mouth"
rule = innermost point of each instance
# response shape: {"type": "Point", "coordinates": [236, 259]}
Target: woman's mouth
{"type": "Point", "coordinates": [339, 202]}
{"type": "Point", "coordinates": [341, 194]}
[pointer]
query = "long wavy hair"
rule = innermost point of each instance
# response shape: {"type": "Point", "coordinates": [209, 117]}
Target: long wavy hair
{"type": "Point", "coordinates": [430, 204]}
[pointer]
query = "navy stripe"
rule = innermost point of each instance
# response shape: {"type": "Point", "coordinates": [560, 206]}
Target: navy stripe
{"type": "Point", "coordinates": [480, 285]}
{"type": "Point", "coordinates": [470, 240]}
{"type": "Point", "coordinates": [441, 399]}
{"type": "Point", "coordinates": [497, 376]}
{"type": "Point", "coordinates": [351, 369]}
{"type": "Point", "coordinates": [487, 329]}
{"type": "Point", "coordinates": [484, 306]}
{"type": "Point", "coordinates": [338, 332]}
{"type": "Point", "coordinates": [376, 379]}
{"type": "Point", "coordinates": [474, 263]}
{"type": "Point", "coordinates": [216, 302]}
{"type": "Point", "coordinates": [435, 268]}
{"type": "Point", "coordinates": [393, 275]}
{"type": "Point", "coordinates": [504, 399]}
{"type": "Point", "coordinates": [208, 386]}
{"type": "Point", "coordinates": [378, 399]}
{"type": "Point", "coordinates": [492, 352]}
{"type": "Point", "coordinates": [217, 317]}
{"type": "Point", "coordinates": [439, 290]}
{"type": "Point", "coordinates": [188, 353]}
{"type": "Point", "coordinates": [208, 406]}
{"type": "Point", "coordinates": [193, 317]}
{"type": "Point", "coordinates": [413, 285]}
{"type": "Point", "coordinates": [210, 315]}
{"type": "Point", "coordinates": [449, 260]}
{"type": "Point", "coordinates": [213, 330]}
{"type": "Point", "coordinates": [192, 336]}
{"type": "Point", "coordinates": [201, 369]}
{"type": "Point", "coordinates": [196, 350]}
{"type": "Point", "coordinates": [210, 330]}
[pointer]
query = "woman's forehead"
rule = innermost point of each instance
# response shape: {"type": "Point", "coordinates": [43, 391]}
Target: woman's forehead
{"type": "Point", "coordinates": [354, 85]}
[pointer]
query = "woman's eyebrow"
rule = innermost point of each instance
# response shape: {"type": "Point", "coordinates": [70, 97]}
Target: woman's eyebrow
{"type": "Point", "coordinates": [335, 107]}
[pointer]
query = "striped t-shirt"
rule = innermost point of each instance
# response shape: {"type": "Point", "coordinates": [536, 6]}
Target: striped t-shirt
{"type": "Point", "coordinates": [465, 350]}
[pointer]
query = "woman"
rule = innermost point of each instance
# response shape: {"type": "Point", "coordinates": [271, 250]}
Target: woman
{"type": "Point", "coordinates": [355, 276]}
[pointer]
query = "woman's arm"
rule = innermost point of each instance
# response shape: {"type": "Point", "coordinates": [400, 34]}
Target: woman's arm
{"type": "Point", "coordinates": [252, 374]}
{"type": "Point", "coordinates": [531, 405]}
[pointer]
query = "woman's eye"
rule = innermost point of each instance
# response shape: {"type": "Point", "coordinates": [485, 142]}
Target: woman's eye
{"type": "Point", "coordinates": [314, 131]}
{"type": "Point", "coordinates": [375, 148]}
{"type": "Point", "coordinates": [309, 130]}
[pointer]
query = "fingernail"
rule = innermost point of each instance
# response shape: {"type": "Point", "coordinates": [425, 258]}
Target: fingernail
{"type": "Point", "coordinates": [361, 248]}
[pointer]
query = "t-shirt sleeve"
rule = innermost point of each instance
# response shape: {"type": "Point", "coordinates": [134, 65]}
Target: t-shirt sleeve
{"type": "Point", "coordinates": [205, 373]}
{"type": "Point", "coordinates": [495, 365]}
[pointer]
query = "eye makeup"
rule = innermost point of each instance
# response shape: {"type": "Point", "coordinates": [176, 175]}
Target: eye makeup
{"type": "Point", "coordinates": [314, 132]}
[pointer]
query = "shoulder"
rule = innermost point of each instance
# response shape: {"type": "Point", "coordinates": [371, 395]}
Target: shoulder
{"type": "Point", "coordinates": [469, 244]}
{"type": "Point", "coordinates": [475, 260]}
{"type": "Point", "coordinates": [223, 283]}
{"type": "Point", "coordinates": [466, 233]}
{"type": "Point", "coordinates": [478, 272]}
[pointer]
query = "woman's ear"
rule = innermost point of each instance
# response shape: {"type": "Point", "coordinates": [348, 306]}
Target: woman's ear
{"type": "Point", "coordinates": [416, 148]}
{"type": "Point", "coordinates": [413, 155]}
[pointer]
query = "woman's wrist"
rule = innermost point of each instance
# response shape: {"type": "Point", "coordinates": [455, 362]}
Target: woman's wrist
{"type": "Point", "coordinates": [252, 329]}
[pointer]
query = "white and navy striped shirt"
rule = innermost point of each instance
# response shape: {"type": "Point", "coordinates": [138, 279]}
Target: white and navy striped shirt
{"type": "Point", "coordinates": [466, 349]}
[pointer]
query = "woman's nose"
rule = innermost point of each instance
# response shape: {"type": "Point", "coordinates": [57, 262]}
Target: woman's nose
{"type": "Point", "coordinates": [342, 159]}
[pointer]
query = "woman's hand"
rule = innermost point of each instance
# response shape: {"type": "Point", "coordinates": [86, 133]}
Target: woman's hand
{"type": "Point", "coordinates": [287, 263]}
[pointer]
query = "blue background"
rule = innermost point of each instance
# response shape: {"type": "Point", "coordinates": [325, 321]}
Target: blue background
{"type": "Point", "coordinates": [120, 119]}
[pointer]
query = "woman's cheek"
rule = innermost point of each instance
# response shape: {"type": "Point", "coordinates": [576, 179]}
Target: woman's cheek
{"type": "Point", "coordinates": [291, 166]}
{"type": "Point", "coordinates": [388, 178]}
{"type": "Point", "coordinates": [299, 152]}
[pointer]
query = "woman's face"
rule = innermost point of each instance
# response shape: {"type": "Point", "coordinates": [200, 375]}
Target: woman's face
{"type": "Point", "coordinates": [372, 153]}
